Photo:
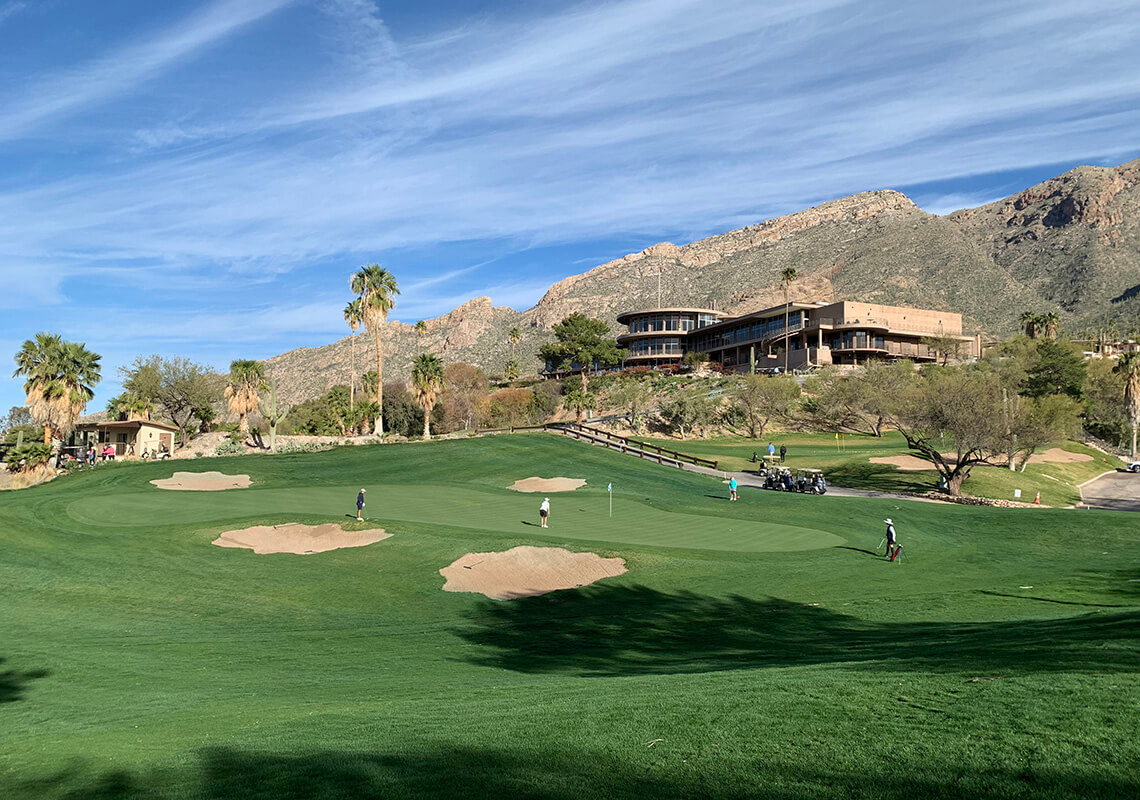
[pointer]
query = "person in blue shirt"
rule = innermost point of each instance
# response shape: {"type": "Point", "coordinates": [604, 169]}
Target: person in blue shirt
{"type": "Point", "coordinates": [732, 489]}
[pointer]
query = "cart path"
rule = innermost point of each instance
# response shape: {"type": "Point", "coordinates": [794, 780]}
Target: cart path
{"type": "Point", "coordinates": [752, 480]}
{"type": "Point", "coordinates": [1116, 491]}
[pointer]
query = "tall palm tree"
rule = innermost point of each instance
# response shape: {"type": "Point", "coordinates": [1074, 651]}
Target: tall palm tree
{"type": "Point", "coordinates": [247, 382]}
{"type": "Point", "coordinates": [354, 317]}
{"type": "Point", "coordinates": [1029, 321]}
{"type": "Point", "coordinates": [514, 336]}
{"type": "Point", "coordinates": [787, 276]}
{"type": "Point", "coordinates": [427, 381]}
{"type": "Point", "coordinates": [60, 376]}
{"type": "Point", "coordinates": [1050, 324]}
{"type": "Point", "coordinates": [420, 328]}
{"type": "Point", "coordinates": [377, 290]}
{"type": "Point", "coordinates": [1129, 367]}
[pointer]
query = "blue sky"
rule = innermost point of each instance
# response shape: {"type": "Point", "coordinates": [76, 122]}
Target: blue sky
{"type": "Point", "coordinates": [200, 177]}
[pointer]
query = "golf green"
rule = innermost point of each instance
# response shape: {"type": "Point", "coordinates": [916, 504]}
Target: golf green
{"type": "Point", "coordinates": [581, 514]}
{"type": "Point", "coordinates": [756, 649]}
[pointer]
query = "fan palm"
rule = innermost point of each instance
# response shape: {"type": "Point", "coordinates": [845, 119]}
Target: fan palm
{"type": "Point", "coordinates": [377, 290]}
{"type": "Point", "coordinates": [354, 318]}
{"type": "Point", "coordinates": [247, 382]}
{"type": "Point", "coordinates": [427, 381]}
{"type": "Point", "coordinates": [60, 376]}
{"type": "Point", "coordinates": [1129, 367]}
{"type": "Point", "coordinates": [1029, 322]}
{"type": "Point", "coordinates": [787, 276]}
{"type": "Point", "coordinates": [131, 406]}
{"type": "Point", "coordinates": [1050, 324]}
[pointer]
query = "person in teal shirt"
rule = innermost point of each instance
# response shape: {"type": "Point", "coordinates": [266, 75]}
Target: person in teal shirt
{"type": "Point", "coordinates": [732, 489]}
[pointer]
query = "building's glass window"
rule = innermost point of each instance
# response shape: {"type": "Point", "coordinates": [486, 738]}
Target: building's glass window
{"type": "Point", "coordinates": [880, 342]}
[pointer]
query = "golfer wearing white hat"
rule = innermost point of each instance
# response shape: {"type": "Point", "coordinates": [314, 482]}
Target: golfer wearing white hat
{"type": "Point", "coordinates": [890, 536]}
{"type": "Point", "coordinates": [360, 504]}
{"type": "Point", "coordinates": [544, 512]}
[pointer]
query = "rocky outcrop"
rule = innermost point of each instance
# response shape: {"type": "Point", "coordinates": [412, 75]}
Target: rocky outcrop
{"type": "Point", "coordinates": [1071, 243]}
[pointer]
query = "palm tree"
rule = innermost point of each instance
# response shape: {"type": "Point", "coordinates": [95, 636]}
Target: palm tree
{"type": "Point", "coordinates": [1129, 367]}
{"type": "Point", "coordinates": [354, 318]}
{"type": "Point", "coordinates": [514, 336]}
{"type": "Point", "coordinates": [130, 406]}
{"type": "Point", "coordinates": [377, 290]}
{"type": "Point", "coordinates": [1050, 324]}
{"type": "Point", "coordinates": [420, 328]}
{"type": "Point", "coordinates": [60, 376]}
{"type": "Point", "coordinates": [1029, 321]}
{"type": "Point", "coordinates": [787, 276]}
{"type": "Point", "coordinates": [247, 382]}
{"type": "Point", "coordinates": [427, 380]}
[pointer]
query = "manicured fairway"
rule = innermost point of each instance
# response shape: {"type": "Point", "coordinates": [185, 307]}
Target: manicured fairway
{"type": "Point", "coordinates": [577, 515]}
{"type": "Point", "coordinates": [753, 649]}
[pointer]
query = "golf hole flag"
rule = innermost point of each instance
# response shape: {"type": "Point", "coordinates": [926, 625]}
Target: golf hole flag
{"type": "Point", "coordinates": [610, 491]}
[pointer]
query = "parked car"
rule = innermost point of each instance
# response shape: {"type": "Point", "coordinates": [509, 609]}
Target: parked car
{"type": "Point", "coordinates": [1134, 466]}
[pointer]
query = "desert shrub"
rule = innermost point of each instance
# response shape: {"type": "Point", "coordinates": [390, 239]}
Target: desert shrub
{"type": "Point", "coordinates": [28, 457]}
{"type": "Point", "coordinates": [229, 448]}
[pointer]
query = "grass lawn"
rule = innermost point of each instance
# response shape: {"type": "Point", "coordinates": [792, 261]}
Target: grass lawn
{"type": "Point", "coordinates": [851, 466]}
{"type": "Point", "coordinates": [753, 649]}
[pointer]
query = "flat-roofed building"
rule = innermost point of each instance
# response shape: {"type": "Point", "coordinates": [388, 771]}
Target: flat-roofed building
{"type": "Point", "coordinates": [659, 335]}
{"type": "Point", "coordinates": [817, 334]}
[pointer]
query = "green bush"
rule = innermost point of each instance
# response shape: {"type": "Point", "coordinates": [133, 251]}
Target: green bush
{"type": "Point", "coordinates": [229, 448]}
{"type": "Point", "coordinates": [28, 457]}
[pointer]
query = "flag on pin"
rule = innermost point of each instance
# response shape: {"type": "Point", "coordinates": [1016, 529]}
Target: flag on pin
{"type": "Point", "coordinates": [610, 487]}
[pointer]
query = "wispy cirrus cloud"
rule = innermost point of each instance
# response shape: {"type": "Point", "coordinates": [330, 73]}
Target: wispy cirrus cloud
{"type": "Point", "coordinates": [83, 85]}
{"type": "Point", "coordinates": [477, 138]}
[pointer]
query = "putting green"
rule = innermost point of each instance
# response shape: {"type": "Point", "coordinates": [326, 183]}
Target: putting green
{"type": "Point", "coordinates": [583, 516]}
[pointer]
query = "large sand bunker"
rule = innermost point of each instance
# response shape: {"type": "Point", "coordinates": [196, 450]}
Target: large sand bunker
{"type": "Point", "coordinates": [298, 539]}
{"type": "Point", "coordinates": [545, 485]}
{"type": "Point", "coordinates": [202, 482]}
{"type": "Point", "coordinates": [527, 571]}
{"type": "Point", "coordinates": [1056, 455]}
{"type": "Point", "coordinates": [905, 463]}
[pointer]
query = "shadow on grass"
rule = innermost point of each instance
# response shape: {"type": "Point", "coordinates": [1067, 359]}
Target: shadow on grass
{"type": "Point", "coordinates": [635, 630]}
{"type": "Point", "coordinates": [559, 774]}
{"type": "Point", "coordinates": [879, 478]}
{"type": "Point", "coordinates": [13, 683]}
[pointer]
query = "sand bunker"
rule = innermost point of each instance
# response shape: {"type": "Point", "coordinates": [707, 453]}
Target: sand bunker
{"type": "Point", "coordinates": [1058, 456]}
{"type": "Point", "coordinates": [546, 485]}
{"type": "Point", "coordinates": [298, 539]}
{"type": "Point", "coordinates": [203, 482]}
{"type": "Point", "coordinates": [527, 571]}
{"type": "Point", "coordinates": [1052, 456]}
{"type": "Point", "coordinates": [905, 463]}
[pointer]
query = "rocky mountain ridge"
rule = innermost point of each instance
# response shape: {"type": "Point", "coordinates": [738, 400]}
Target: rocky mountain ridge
{"type": "Point", "coordinates": [1069, 244]}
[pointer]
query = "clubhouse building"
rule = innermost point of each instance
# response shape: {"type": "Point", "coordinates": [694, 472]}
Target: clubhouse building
{"type": "Point", "coordinates": [818, 334]}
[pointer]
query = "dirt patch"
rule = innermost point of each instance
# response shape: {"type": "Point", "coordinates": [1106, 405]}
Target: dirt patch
{"type": "Point", "coordinates": [298, 539]}
{"type": "Point", "coordinates": [202, 482]}
{"type": "Point", "coordinates": [904, 463]}
{"type": "Point", "coordinates": [1058, 456]}
{"type": "Point", "coordinates": [527, 571]}
{"type": "Point", "coordinates": [545, 485]}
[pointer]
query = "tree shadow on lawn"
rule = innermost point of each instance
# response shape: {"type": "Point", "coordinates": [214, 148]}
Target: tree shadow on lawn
{"type": "Point", "coordinates": [565, 773]}
{"type": "Point", "coordinates": [879, 478]}
{"type": "Point", "coordinates": [635, 630]}
{"type": "Point", "coordinates": [13, 683]}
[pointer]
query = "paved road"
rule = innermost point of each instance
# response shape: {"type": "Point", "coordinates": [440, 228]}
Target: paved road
{"type": "Point", "coordinates": [1119, 491]}
{"type": "Point", "coordinates": [750, 479]}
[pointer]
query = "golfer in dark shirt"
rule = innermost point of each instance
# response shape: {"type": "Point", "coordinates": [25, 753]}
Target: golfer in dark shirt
{"type": "Point", "coordinates": [360, 504]}
{"type": "Point", "coordinates": [783, 452]}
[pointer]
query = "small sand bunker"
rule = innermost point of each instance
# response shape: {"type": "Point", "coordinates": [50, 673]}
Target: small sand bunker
{"type": "Point", "coordinates": [203, 482]}
{"type": "Point", "coordinates": [527, 571]}
{"type": "Point", "coordinates": [905, 463]}
{"type": "Point", "coordinates": [545, 485]}
{"type": "Point", "coordinates": [1058, 456]}
{"type": "Point", "coordinates": [298, 539]}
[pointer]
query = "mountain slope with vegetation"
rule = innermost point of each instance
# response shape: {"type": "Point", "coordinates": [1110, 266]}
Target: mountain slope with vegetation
{"type": "Point", "coordinates": [1070, 245]}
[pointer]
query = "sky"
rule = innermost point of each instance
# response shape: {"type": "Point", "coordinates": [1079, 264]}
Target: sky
{"type": "Point", "coordinates": [200, 177]}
